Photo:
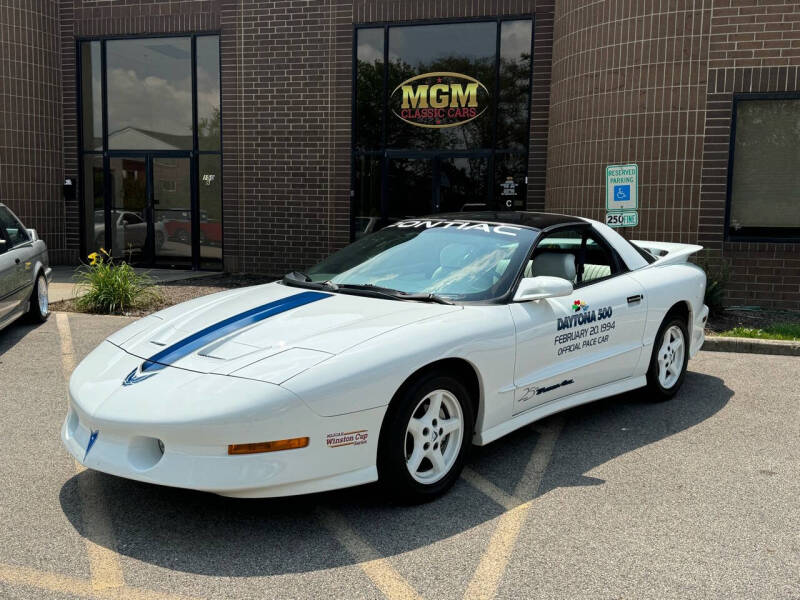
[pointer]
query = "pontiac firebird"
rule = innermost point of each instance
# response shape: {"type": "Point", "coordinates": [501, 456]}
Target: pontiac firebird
{"type": "Point", "coordinates": [389, 359]}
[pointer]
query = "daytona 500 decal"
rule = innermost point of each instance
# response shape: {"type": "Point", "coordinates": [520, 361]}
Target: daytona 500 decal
{"type": "Point", "coordinates": [583, 329]}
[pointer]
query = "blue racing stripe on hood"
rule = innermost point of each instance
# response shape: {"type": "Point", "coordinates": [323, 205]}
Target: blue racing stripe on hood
{"type": "Point", "coordinates": [186, 346]}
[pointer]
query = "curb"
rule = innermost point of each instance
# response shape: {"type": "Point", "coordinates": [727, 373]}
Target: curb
{"type": "Point", "coordinates": [718, 343]}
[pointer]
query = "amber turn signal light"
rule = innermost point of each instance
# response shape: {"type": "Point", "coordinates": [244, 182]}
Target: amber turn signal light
{"type": "Point", "coordinates": [258, 447]}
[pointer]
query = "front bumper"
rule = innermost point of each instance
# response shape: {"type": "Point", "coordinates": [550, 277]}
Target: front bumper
{"type": "Point", "coordinates": [174, 429]}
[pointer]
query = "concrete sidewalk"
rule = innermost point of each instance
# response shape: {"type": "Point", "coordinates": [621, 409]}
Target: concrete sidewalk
{"type": "Point", "coordinates": [63, 287]}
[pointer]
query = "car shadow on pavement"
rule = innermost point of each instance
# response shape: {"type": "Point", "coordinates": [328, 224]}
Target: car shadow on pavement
{"type": "Point", "coordinates": [202, 533]}
{"type": "Point", "coordinates": [16, 332]}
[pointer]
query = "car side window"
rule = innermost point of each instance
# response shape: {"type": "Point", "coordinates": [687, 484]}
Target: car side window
{"type": "Point", "coordinates": [15, 232]}
{"type": "Point", "coordinates": [575, 254]}
{"type": "Point", "coordinates": [131, 219]}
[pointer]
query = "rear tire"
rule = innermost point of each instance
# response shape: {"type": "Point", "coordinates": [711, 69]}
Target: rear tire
{"type": "Point", "coordinates": [39, 304]}
{"type": "Point", "coordinates": [668, 362]}
{"type": "Point", "coordinates": [425, 438]}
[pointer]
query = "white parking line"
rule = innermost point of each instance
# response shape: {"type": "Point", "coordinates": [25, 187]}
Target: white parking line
{"type": "Point", "coordinates": [486, 578]}
{"type": "Point", "coordinates": [99, 537]}
{"type": "Point", "coordinates": [377, 568]}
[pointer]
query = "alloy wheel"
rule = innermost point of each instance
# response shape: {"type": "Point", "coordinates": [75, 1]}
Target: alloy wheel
{"type": "Point", "coordinates": [434, 436]}
{"type": "Point", "coordinates": [670, 357]}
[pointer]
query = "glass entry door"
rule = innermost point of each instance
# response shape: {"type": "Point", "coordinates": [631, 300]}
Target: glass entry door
{"type": "Point", "coordinates": [420, 184]}
{"type": "Point", "coordinates": [149, 220]}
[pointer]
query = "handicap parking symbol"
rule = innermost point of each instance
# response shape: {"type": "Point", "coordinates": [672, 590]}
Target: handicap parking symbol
{"type": "Point", "coordinates": [622, 193]}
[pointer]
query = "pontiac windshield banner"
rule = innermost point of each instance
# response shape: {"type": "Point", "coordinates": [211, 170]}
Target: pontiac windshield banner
{"type": "Point", "coordinates": [439, 99]}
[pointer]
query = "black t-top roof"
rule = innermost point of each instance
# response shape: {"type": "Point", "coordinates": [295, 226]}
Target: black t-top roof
{"type": "Point", "coordinates": [536, 220]}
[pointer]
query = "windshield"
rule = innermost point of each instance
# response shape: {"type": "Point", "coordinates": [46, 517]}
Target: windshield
{"type": "Point", "coordinates": [459, 260]}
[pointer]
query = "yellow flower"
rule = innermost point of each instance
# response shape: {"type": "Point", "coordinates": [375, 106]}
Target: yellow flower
{"type": "Point", "coordinates": [103, 250]}
{"type": "Point", "coordinates": [93, 257]}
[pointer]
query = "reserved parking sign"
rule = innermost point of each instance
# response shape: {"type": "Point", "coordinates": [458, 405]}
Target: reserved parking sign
{"type": "Point", "coordinates": [622, 184]}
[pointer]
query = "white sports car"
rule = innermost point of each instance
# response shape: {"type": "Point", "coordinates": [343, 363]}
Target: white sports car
{"type": "Point", "coordinates": [387, 360]}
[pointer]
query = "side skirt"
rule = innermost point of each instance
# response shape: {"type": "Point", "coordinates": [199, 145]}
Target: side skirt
{"type": "Point", "coordinates": [557, 405]}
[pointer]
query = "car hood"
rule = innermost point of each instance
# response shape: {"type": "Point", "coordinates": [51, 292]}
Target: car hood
{"type": "Point", "coordinates": [230, 331]}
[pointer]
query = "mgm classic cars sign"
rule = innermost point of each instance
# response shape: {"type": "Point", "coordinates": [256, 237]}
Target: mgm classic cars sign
{"type": "Point", "coordinates": [440, 99]}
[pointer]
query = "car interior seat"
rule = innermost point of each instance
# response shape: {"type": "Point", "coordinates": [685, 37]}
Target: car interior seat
{"type": "Point", "coordinates": [552, 264]}
{"type": "Point", "coordinates": [451, 258]}
{"type": "Point", "coordinates": [591, 272]}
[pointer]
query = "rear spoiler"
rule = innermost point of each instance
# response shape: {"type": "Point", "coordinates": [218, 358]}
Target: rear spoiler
{"type": "Point", "coordinates": [667, 253]}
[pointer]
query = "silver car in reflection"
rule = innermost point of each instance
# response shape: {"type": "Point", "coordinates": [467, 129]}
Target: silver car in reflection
{"type": "Point", "coordinates": [24, 271]}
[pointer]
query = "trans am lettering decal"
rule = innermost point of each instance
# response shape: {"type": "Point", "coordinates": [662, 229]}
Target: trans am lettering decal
{"type": "Point", "coordinates": [583, 329]}
{"type": "Point", "coordinates": [462, 225]}
{"type": "Point", "coordinates": [186, 346]}
{"type": "Point", "coordinates": [349, 438]}
{"type": "Point", "coordinates": [532, 391]}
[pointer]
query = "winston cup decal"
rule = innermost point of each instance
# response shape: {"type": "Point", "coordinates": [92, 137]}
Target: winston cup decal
{"type": "Point", "coordinates": [440, 99]}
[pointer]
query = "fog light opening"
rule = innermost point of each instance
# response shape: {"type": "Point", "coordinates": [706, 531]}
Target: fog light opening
{"type": "Point", "coordinates": [145, 452]}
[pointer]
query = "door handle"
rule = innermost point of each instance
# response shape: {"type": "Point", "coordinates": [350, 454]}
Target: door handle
{"type": "Point", "coordinates": [636, 298]}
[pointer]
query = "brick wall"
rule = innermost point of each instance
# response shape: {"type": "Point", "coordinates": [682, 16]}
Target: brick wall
{"type": "Point", "coordinates": [653, 83]}
{"type": "Point", "coordinates": [286, 70]}
{"type": "Point", "coordinates": [629, 86]}
{"type": "Point", "coordinates": [753, 33]}
{"type": "Point", "coordinates": [765, 274]}
{"type": "Point", "coordinates": [286, 109]}
{"type": "Point", "coordinates": [30, 118]}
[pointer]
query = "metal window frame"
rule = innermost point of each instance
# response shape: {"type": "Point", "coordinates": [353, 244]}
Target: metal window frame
{"type": "Point", "coordinates": [193, 154]}
{"type": "Point", "coordinates": [774, 235]}
{"type": "Point", "coordinates": [385, 153]}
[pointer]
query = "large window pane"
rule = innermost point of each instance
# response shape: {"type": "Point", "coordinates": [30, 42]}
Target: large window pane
{"type": "Point", "coordinates": [441, 110]}
{"type": "Point", "coordinates": [172, 207]}
{"type": "Point", "coordinates": [91, 96]}
{"type": "Point", "coordinates": [515, 79]}
{"type": "Point", "coordinates": [410, 188]}
{"type": "Point", "coordinates": [367, 209]}
{"type": "Point", "coordinates": [149, 93]}
{"type": "Point", "coordinates": [128, 207]}
{"type": "Point", "coordinates": [210, 192]}
{"type": "Point", "coordinates": [765, 188]}
{"type": "Point", "coordinates": [462, 184]}
{"type": "Point", "coordinates": [369, 88]}
{"type": "Point", "coordinates": [208, 115]}
{"type": "Point", "coordinates": [93, 205]}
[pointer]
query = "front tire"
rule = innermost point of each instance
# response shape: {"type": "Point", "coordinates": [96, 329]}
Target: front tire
{"type": "Point", "coordinates": [425, 438]}
{"type": "Point", "coordinates": [668, 362]}
{"type": "Point", "coordinates": [39, 304]}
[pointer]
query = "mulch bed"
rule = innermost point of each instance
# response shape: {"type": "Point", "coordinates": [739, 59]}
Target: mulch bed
{"type": "Point", "coordinates": [754, 319]}
{"type": "Point", "coordinates": [175, 292]}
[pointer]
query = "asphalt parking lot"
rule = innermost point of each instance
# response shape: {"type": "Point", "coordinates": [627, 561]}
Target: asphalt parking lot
{"type": "Point", "coordinates": [697, 497]}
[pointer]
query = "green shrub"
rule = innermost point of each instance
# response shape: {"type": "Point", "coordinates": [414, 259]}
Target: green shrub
{"type": "Point", "coordinates": [717, 277]}
{"type": "Point", "coordinates": [112, 288]}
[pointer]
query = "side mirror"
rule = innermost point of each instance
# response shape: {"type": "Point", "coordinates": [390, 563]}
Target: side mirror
{"type": "Point", "coordinates": [538, 288]}
{"type": "Point", "coordinates": [33, 235]}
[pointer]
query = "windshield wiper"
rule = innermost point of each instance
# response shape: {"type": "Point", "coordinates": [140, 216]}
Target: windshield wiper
{"type": "Point", "coordinates": [300, 279]}
{"type": "Point", "coordinates": [392, 293]}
